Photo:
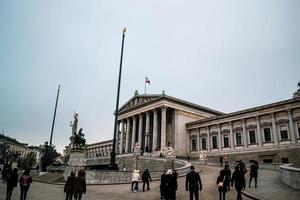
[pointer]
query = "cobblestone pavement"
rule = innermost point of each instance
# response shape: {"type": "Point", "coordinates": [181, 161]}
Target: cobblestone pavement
{"type": "Point", "coordinates": [42, 191]}
{"type": "Point", "coordinates": [269, 187]}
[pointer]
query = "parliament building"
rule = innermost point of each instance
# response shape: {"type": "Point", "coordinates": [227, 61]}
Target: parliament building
{"type": "Point", "coordinates": [268, 133]}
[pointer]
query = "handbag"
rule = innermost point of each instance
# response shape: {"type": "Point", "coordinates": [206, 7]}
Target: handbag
{"type": "Point", "coordinates": [221, 183]}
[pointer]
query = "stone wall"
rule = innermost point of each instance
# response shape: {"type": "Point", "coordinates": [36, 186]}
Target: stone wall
{"type": "Point", "coordinates": [290, 176]}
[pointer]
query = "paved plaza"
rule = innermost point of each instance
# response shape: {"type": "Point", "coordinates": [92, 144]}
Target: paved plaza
{"type": "Point", "coordinates": [268, 188]}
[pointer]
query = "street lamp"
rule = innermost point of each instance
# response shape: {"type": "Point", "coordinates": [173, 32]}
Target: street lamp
{"type": "Point", "coordinates": [113, 165]}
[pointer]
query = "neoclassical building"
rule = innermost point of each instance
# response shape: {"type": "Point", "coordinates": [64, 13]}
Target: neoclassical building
{"type": "Point", "coordinates": [268, 133]}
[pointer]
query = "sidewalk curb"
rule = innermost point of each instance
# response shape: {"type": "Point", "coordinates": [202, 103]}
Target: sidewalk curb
{"type": "Point", "coordinates": [249, 195]}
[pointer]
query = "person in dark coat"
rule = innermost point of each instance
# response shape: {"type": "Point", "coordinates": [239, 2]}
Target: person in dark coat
{"type": "Point", "coordinates": [172, 185]}
{"type": "Point", "coordinates": [253, 173]}
{"type": "Point", "coordinates": [146, 178]}
{"type": "Point", "coordinates": [79, 185]}
{"type": "Point", "coordinates": [12, 181]}
{"type": "Point", "coordinates": [221, 161]}
{"type": "Point", "coordinates": [222, 182]}
{"type": "Point", "coordinates": [193, 183]}
{"type": "Point", "coordinates": [163, 185]}
{"type": "Point", "coordinates": [239, 179]}
{"type": "Point", "coordinates": [227, 172]}
{"type": "Point", "coordinates": [69, 186]}
{"type": "Point", "coordinates": [25, 181]}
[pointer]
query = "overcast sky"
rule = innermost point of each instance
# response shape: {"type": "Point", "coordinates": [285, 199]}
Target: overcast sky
{"type": "Point", "coordinates": [225, 55]}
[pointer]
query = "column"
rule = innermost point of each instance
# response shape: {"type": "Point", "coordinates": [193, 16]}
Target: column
{"type": "Point", "coordinates": [154, 143]}
{"type": "Point", "coordinates": [231, 136]}
{"type": "Point", "coordinates": [117, 136]}
{"type": "Point", "coordinates": [244, 133]}
{"type": "Point", "coordinates": [208, 139]}
{"type": "Point", "coordinates": [258, 132]}
{"type": "Point", "coordinates": [274, 130]}
{"type": "Point", "coordinates": [163, 127]}
{"type": "Point", "coordinates": [140, 129]}
{"type": "Point", "coordinates": [176, 137]}
{"type": "Point", "coordinates": [198, 140]}
{"type": "Point", "coordinates": [127, 136]}
{"type": "Point", "coordinates": [291, 127]}
{"type": "Point", "coordinates": [147, 131]}
{"type": "Point", "coordinates": [121, 137]}
{"type": "Point", "coordinates": [133, 133]}
{"type": "Point", "coordinates": [219, 137]}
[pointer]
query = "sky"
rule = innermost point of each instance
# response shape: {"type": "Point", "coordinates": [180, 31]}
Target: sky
{"type": "Point", "coordinates": [225, 55]}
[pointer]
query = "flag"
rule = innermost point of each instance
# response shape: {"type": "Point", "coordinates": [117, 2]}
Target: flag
{"type": "Point", "coordinates": [147, 80]}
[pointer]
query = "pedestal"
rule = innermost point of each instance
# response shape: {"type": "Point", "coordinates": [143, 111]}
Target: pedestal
{"type": "Point", "coordinates": [75, 163]}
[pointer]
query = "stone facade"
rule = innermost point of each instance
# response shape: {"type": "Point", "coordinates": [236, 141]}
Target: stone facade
{"type": "Point", "coordinates": [268, 133]}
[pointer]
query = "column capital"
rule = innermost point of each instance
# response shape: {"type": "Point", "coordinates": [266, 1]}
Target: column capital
{"type": "Point", "coordinates": [257, 118]}
{"type": "Point", "coordinates": [289, 111]}
{"type": "Point", "coordinates": [163, 108]}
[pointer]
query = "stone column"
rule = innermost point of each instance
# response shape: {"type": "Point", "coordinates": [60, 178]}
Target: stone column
{"type": "Point", "coordinates": [140, 129]}
{"type": "Point", "coordinates": [117, 137]}
{"type": "Point", "coordinates": [198, 140]}
{"type": "Point", "coordinates": [147, 134]}
{"type": "Point", "coordinates": [231, 136]}
{"type": "Point", "coordinates": [163, 127]}
{"type": "Point", "coordinates": [133, 133]}
{"type": "Point", "coordinates": [291, 127]}
{"type": "Point", "coordinates": [258, 132]}
{"type": "Point", "coordinates": [208, 140]}
{"type": "Point", "coordinates": [274, 129]}
{"type": "Point", "coordinates": [176, 137]}
{"type": "Point", "coordinates": [127, 136]}
{"type": "Point", "coordinates": [121, 136]}
{"type": "Point", "coordinates": [219, 137]}
{"type": "Point", "coordinates": [244, 133]}
{"type": "Point", "coordinates": [154, 143]}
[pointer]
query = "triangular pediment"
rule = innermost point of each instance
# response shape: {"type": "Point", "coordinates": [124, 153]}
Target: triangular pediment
{"type": "Point", "coordinates": [138, 100]}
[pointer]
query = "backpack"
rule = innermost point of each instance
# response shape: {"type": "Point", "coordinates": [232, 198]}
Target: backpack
{"type": "Point", "coordinates": [26, 180]}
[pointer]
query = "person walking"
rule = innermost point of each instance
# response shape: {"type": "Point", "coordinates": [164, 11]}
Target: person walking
{"type": "Point", "coordinates": [239, 179]}
{"type": "Point", "coordinates": [79, 185]}
{"type": "Point", "coordinates": [253, 172]}
{"type": "Point", "coordinates": [12, 181]}
{"type": "Point", "coordinates": [188, 158]}
{"type": "Point", "coordinates": [222, 183]}
{"type": "Point", "coordinates": [221, 161]}
{"type": "Point", "coordinates": [135, 180]}
{"type": "Point", "coordinates": [146, 178]}
{"type": "Point", "coordinates": [193, 183]}
{"type": "Point", "coordinates": [171, 184]}
{"type": "Point", "coordinates": [163, 185]}
{"type": "Point", "coordinates": [25, 181]}
{"type": "Point", "coordinates": [227, 172]}
{"type": "Point", "coordinates": [69, 186]}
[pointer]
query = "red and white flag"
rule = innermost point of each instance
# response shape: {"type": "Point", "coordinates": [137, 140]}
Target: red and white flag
{"type": "Point", "coordinates": [147, 80]}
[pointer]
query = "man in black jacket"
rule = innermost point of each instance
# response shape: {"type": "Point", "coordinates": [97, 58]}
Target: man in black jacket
{"type": "Point", "coordinates": [193, 183]}
{"type": "Point", "coordinates": [146, 178]}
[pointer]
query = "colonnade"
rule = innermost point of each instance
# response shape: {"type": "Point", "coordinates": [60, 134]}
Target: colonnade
{"type": "Point", "coordinates": [143, 128]}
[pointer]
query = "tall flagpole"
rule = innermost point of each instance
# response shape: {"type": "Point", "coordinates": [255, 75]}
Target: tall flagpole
{"type": "Point", "coordinates": [113, 164]}
{"type": "Point", "coordinates": [145, 86]}
{"type": "Point", "coordinates": [54, 115]}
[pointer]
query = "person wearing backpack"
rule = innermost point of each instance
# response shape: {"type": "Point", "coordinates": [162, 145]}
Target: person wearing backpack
{"type": "Point", "coordinates": [146, 178]}
{"type": "Point", "coordinates": [25, 181]}
{"type": "Point", "coordinates": [12, 181]}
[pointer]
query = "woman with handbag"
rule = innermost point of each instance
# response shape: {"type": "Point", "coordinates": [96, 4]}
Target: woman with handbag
{"type": "Point", "coordinates": [222, 183]}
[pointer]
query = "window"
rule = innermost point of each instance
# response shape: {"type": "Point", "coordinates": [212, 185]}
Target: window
{"type": "Point", "coordinates": [238, 137]}
{"type": "Point", "coordinates": [267, 160]}
{"type": "Point", "coordinates": [194, 142]}
{"type": "Point", "coordinates": [214, 142]}
{"type": "Point", "coordinates": [267, 134]}
{"type": "Point", "coordinates": [203, 143]}
{"type": "Point", "coordinates": [226, 141]}
{"type": "Point", "coordinates": [285, 160]}
{"type": "Point", "coordinates": [252, 137]}
{"type": "Point", "coordinates": [284, 133]}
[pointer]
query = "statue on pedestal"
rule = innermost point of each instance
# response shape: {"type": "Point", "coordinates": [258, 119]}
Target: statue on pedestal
{"type": "Point", "coordinates": [169, 151]}
{"type": "Point", "coordinates": [77, 139]}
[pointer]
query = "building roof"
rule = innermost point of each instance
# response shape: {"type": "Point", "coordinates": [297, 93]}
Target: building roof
{"type": "Point", "coordinates": [145, 99]}
{"type": "Point", "coordinates": [99, 143]}
{"type": "Point", "coordinates": [258, 108]}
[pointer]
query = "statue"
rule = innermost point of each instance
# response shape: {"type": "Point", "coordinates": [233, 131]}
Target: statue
{"type": "Point", "coordinates": [77, 140]}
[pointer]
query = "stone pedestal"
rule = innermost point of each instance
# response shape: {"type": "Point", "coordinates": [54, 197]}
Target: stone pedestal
{"type": "Point", "coordinates": [75, 163]}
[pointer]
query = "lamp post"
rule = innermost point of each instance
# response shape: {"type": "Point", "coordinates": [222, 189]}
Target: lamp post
{"type": "Point", "coordinates": [113, 165]}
